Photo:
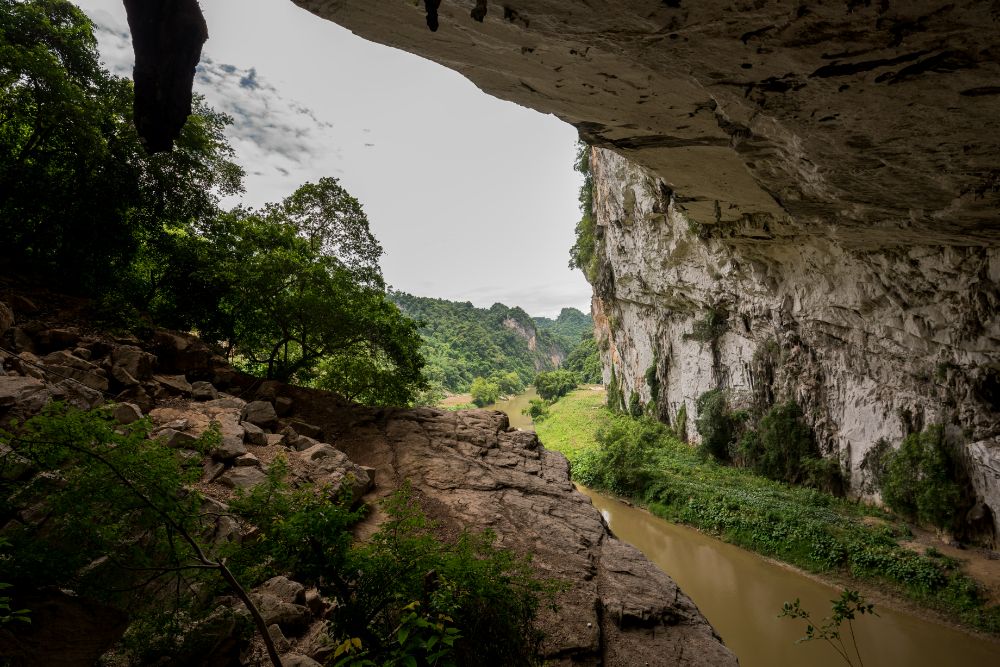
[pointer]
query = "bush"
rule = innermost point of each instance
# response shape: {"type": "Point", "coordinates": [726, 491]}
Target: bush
{"type": "Point", "coordinates": [537, 409]}
{"type": "Point", "coordinates": [622, 463]}
{"type": "Point", "coordinates": [714, 424]}
{"type": "Point", "coordinates": [484, 392]}
{"type": "Point", "coordinates": [922, 480]}
{"type": "Point", "coordinates": [555, 384]}
{"type": "Point", "coordinates": [481, 598]}
{"type": "Point", "coordinates": [783, 443]}
{"type": "Point", "coordinates": [709, 328]}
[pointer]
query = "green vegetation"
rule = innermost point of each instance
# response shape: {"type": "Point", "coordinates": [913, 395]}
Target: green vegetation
{"type": "Point", "coordinates": [553, 385]}
{"type": "Point", "coordinates": [923, 480]}
{"type": "Point", "coordinates": [569, 328]}
{"type": "Point", "coordinates": [715, 425]}
{"type": "Point", "coordinates": [711, 327]}
{"type": "Point", "coordinates": [462, 342]}
{"type": "Point", "coordinates": [292, 291]}
{"type": "Point", "coordinates": [583, 254]}
{"type": "Point", "coordinates": [806, 527]}
{"type": "Point", "coordinates": [845, 608]}
{"type": "Point", "coordinates": [585, 361]}
{"type": "Point", "coordinates": [778, 445]}
{"type": "Point", "coordinates": [484, 392]}
{"type": "Point", "coordinates": [125, 526]}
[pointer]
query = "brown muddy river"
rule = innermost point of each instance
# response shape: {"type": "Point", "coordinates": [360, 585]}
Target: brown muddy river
{"type": "Point", "coordinates": [513, 407]}
{"type": "Point", "coordinates": [741, 594]}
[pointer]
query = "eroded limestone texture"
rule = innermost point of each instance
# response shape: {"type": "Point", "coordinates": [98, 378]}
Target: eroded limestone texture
{"type": "Point", "coordinates": [826, 173]}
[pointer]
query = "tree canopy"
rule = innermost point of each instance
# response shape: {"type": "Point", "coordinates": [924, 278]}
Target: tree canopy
{"type": "Point", "coordinates": [292, 291]}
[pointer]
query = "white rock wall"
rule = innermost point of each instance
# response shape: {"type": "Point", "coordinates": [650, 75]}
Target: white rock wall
{"type": "Point", "coordinates": [860, 335]}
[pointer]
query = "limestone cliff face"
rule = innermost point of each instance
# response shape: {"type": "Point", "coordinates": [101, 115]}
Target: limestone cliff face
{"type": "Point", "coordinates": [826, 175]}
{"type": "Point", "coordinates": [872, 343]}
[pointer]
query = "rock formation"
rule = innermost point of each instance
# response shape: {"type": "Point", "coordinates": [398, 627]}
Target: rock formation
{"type": "Point", "coordinates": [469, 470]}
{"type": "Point", "coordinates": [824, 176]}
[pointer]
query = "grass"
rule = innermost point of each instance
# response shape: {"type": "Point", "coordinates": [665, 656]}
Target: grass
{"type": "Point", "coordinates": [570, 425]}
{"type": "Point", "coordinates": [807, 528]}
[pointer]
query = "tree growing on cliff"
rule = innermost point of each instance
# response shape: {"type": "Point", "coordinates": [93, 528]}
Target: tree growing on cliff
{"type": "Point", "coordinates": [583, 254]}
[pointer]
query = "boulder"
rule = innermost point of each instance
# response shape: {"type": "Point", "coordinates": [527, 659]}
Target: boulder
{"type": "Point", "coordinates": [58, 339]}
{"type": "Point", "coordinates": [62, 364]}
{"type": "Point", "coordinates": [13, 466]}
{"type": "Point", "coordinates": [174, 438]}
{"type": "Point", "coordinates": [244, 477]}
{"type": "Point", "coordinates": [127, 413]}
{"type": "Point", "coordinates": [15, 389]}
{"type": "Point", "coordinates": [327, 466]}
{"type": "Point", "coordinates": [204, 391]}
{"type": "Point", "coordinates": [254, 434]}
{"type": "Point", "coordinates": [181, 353]}
{"type": "Point", "coordinates": [281, 643]}
{"type": "Point", "coordinates": [247, 459]}
{"type": "Point", "coordinates": [174, 384]}
{"type": "Point", "coordinates": [138, 396]}
{"type": "Point", "coordinates": [292, 618]}
{"type": "Point", "coordinates": [260, 413]}
{"type": "Point", "coordinates": [123, 377]}
{"type": "Point", "coordinates": [283, 406]}
{"type": "Point", "coordinates": [134, 361]}
{"type": "Point", "coordinates": [211, 469]}
{"type": "Point", "coordinates": [306, 429]}
{"type": "Point", "coordinates": [285, 590]}
{"type": "Point", "coordinates": [232, 432]}
{"type": "Point", "coordinates": [226, 402]}
{"type": "Point", "coordinates": [274, 439]}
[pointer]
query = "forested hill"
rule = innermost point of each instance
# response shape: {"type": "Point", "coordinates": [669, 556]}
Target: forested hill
{"type": "Point", "coordinates": [568, 328]}
{"type": "Point", "coordinates": [463, 342]}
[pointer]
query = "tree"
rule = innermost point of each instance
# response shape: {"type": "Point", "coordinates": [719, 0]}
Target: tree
{"type": "Point", "coordinates": [79, 197]}
{"type": "Point", "coordinates": [714, 424]}
{"type": "Point", "coordinates": [484, 392]}
{"type": "Point", "coordinates": [554, 384]}
{"type": "Point", "coordinates": [921, 479]}
{"type": "Point", "coordinates": [585, 361]}
{"type": "Point", "coordinates": [294, 301]}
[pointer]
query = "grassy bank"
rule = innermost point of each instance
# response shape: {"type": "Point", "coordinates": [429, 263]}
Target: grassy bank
{"type": "Point", "coordinates": [816, 531]}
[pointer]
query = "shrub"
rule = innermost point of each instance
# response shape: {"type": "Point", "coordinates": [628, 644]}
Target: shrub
{"type": "Point", "coordinates": [782, 444]}
{"type": "Point", "coordinates": [622, 463]}
{"type": "Point", "coordinates": [922, 479]}
{"type": "Point", "coordinates": [555, 384]}
{"type": "Point", "coordinates": [537, 409]}
{"type": "Point", "coordinates": [714, 424]}
{"type": "Point", "coordinates": [484, 392]}
{"type": "Point", "coordinates": [709, 328]}
{"type": "Point", "coordinates": [615, 399]}
{"type": "Point", "coordinates": [482, 598]}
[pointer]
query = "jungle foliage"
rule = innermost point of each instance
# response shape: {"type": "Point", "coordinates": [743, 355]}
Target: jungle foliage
{"type": "Point", "coordinates": [462, 342]}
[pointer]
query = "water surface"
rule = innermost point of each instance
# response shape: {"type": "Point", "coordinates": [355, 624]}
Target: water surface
{"type": "Point", "coordinates": [741, 594]}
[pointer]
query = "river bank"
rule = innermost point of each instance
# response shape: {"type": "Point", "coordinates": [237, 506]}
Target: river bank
{"type": "Point", "coordinates": [816, 532]}
{"type": "Point", "coordinates": [741, 594]}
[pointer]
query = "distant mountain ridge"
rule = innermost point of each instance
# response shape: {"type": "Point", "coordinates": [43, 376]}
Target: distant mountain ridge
{"type": "Point", "coordinates": [463, 342]}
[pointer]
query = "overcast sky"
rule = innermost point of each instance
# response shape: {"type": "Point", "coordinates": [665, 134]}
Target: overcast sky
{"type": "Point", "coordinates": [473, 198]}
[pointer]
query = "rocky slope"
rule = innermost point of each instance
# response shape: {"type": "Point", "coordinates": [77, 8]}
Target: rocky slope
{"type": "Point", "coordinates": [468, 468]}
{"type": "Point", "coordinates": [824, 176]}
